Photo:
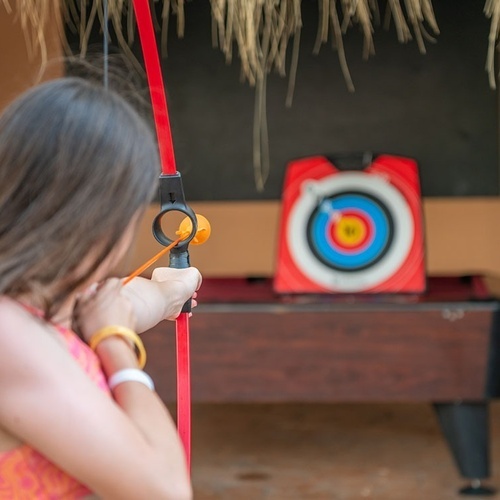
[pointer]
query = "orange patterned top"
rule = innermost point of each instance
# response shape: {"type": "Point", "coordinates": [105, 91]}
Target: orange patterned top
{"type": "Point", "coordinates": [25, 474]}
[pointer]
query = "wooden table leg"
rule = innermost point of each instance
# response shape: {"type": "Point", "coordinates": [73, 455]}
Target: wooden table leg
{"type": "Point", "coordinates": [466, 429]}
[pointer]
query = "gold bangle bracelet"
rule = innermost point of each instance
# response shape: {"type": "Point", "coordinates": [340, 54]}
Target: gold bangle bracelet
{"type": "Point", "coordinates": [120, 331]}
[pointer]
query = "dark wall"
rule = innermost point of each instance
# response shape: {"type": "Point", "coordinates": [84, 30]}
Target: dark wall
{"type": "Point", "coordinates": [437, 108]}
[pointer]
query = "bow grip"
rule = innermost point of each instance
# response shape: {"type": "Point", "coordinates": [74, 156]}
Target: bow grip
{"type": "Point", "coordinates": [172, 200]}
{"type": "Point", "coordinates": [179, 259]}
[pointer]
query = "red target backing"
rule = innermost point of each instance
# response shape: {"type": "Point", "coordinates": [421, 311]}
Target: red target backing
{"type": "Point", "coordinates": [351, 230]}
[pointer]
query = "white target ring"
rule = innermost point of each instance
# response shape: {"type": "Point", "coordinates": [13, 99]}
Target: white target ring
{"type": "Point", "coordinates": [313, 192]}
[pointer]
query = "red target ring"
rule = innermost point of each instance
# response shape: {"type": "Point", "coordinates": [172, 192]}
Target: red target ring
{"type": "Point", "coordinates": [350, 231]}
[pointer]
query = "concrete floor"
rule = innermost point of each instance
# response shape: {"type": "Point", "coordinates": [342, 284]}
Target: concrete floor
{"type": "Point", "coordinates": [337, 451]}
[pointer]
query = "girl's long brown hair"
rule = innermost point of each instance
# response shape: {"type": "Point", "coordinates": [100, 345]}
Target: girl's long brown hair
{"type": "Point", "coordinates": [76, 164]}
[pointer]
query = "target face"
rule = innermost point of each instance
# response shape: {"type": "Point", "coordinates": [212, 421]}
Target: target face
{"type": "Point", "coordinates": [350, 232]}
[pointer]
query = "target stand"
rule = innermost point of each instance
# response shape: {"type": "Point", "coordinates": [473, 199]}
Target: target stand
{"type": "Point", "coordinates": [351, 224]}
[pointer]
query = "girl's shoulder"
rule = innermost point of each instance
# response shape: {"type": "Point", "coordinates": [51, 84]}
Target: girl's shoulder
{"type": "Point", "coordinates": [15, 322]}
{"type": "Point", "coordinates": [27, 355]}
{"type": "Point", "coordinates": [27, 342]}
{"type": "Point", "coordinates": [29, 346]}
{"type": "Point", "coordinates": [18, 325]}
{"type": "Point", "coordinates": [38, 370]}
{"type": "Point", "coordinates": [26, 349]}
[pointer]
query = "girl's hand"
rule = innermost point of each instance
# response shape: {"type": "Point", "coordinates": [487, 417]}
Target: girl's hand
{"type": "Point", "coordinates": [103, 305]}
{"type": "Point", "coordinates": [188, 282]}
{"type": "Point", "coordinates": [163, 296]}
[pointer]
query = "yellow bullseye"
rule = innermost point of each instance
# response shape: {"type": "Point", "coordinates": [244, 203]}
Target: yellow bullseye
{"type": "Point", "coordinates": [350, 231]}
{"type": "Point", "coordinates": [202, 234]}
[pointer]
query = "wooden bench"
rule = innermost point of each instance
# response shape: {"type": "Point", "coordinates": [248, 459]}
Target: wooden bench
{"type": "Point", "coordinates": [250, 345]}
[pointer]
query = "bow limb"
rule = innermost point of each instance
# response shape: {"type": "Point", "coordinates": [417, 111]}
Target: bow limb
{"type": "Point", "coordinates": [156, 85]}
{"type": "Point", "coordinates": [183, 384]}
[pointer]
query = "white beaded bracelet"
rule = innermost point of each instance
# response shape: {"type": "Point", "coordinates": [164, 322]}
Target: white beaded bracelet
{"type": "Point", "coordinates": [130, 375]}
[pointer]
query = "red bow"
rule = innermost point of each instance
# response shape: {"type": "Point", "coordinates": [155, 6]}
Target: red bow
{"type": "Point", "coordinates": [169, 171]}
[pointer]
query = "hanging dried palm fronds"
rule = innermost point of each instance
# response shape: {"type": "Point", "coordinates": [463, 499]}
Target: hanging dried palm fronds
{"type": "Point", "coordinates": [261, 30]}
{"type": "Point", "coordinates": [492, 11]}
{"type": "Point", "coordinates": [339, 16]}
{"type": "Point", "coordinates": [80, 16]}
{"type": "Point", "coordinates": [418, 12]}
{"type": "Point", "coordinates": [250, 23]}
{"type": "Point", "coordinates": [34, 16]}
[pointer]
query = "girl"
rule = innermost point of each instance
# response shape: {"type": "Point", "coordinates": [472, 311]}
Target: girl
{"type": "Point", "coordinates": [77, 168]}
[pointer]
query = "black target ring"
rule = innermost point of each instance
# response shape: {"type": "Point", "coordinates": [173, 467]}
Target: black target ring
{"type": "Point", "coordinates": [363, 209]}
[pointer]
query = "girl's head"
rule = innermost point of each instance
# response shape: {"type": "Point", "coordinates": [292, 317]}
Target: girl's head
{"type": "Point", "coordinates": [76, 165]}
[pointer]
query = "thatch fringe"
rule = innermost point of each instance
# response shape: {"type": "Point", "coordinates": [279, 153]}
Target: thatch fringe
{"type": "Point", "coordinates": [260, 29]}
{"type": "Point", "coordinates": [34, 17]}
{"type": "Point", "coordinates": [492, 11]}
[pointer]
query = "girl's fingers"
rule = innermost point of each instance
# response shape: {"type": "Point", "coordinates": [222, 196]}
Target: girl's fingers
{"type": "Point", "coordinates": [88, 293]}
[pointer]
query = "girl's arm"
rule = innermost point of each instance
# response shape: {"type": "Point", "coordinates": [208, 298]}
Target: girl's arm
{"type": "Point", "coordinates": [123, 449]}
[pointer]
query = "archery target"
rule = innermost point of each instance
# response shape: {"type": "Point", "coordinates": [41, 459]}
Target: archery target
{"type": "Point", "coordinates": [352, 222]}
{"type": "Point", "coordinates": [350, 231]}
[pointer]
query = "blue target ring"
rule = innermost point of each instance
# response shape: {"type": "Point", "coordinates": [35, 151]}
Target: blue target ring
{"type": "Point", "coordinates": [343, 258]}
